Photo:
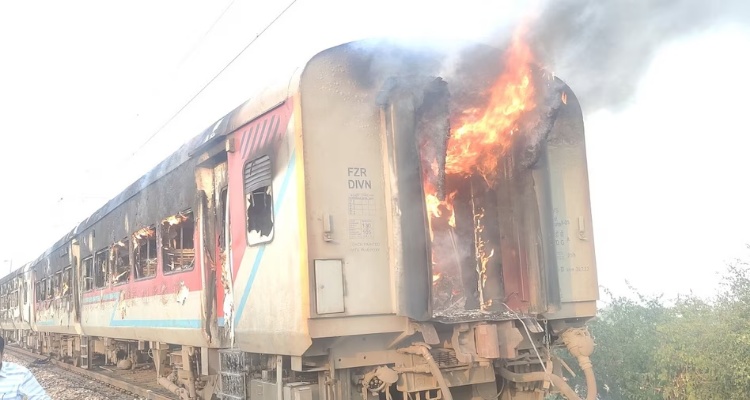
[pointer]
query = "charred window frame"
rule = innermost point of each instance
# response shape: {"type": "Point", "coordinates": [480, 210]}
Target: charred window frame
{"type": "Point", "coordinates": [145, 253]}
{"type": "Point", "coordinates": [178, 243]}
{"type": "Point", "coordinates": [101, 268]}
{"type": "Point", "coordinates": [120, 262]}
{"type": "Point", "coordinates": [88, 273]}
{"type": "Point", "coordinates": [67, 282]}
{"type": "Point", "coordinates": [258, 185]}
{"type": "Point", "coordinates": [57, 285]}
{"type": "Point", "coordinates": [42, 290]}
{"type": "Point", "coordinates": [3, 297]}
{"type": "Point", "coordinates": [14, 294]}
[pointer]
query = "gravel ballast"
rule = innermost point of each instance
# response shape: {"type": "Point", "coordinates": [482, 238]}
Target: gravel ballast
{"type": "Point", "coordinates": [65, 385]}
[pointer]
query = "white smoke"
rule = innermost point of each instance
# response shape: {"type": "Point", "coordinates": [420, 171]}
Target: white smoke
{"type": "Point", "coordinates": [602, 48]}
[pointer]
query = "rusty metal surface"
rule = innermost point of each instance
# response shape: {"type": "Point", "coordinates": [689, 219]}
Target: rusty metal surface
{"type": "Point", "coordinates": [136, 385]}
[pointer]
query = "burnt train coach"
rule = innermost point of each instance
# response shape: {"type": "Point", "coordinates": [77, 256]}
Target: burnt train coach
{"type": "Point", "coordinates": [385, 222]}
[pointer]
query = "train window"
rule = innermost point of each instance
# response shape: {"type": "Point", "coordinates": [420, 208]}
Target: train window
{"type": "Point", "coordinates": [258, 184]}
{"type": "Point", "coordinates": [101, 268]}
{"type": "Point", "coordinates": [121, 262]}
{"type": "Point", "coordinates": [41, 290]}
{"type": "Point", "coordinates": [88, 271]}
{"type": "Point", "coordinates": [177, 242]}
{"type": "Point", "coordinates": [25, 292]}
{"type": "Point", "coordinates": [56, 285]}
{"type": "Point", "coordinates": [14, 295]}
{"type": "Point", "coordinates": [145, 252]}
{"type": "Point", "coordinates": [67, 281]}
{"type": "Point", "coordinates": [48, 293]}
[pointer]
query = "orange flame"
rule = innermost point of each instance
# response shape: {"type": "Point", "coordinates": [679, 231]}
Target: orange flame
{"type": "Point", "coordinates": [480, 137]}
{"type": "Point", "coordinates": [175, 219]}
{"type": "Point", "coordinates": [484, 135]}
{"type": "Point", "coordinates": [145, 233]}
{"type": "Point", "coordinates": [437, 208]}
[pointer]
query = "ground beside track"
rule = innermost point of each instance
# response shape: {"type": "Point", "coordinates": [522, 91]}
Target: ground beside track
{"type": "Point", "coordinates": [61, 384]}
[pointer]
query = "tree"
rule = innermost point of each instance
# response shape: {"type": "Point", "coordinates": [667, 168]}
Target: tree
{"type": "Point", "coordinates": [626, 335]}
{"type": "Point", "coordinates": [693, 349]}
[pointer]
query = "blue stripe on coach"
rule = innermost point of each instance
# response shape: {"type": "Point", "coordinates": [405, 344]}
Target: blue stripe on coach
{"type": "Point", "coordinates": [156, 323]}
{"type": "Point", "coordinates": [261, 250]}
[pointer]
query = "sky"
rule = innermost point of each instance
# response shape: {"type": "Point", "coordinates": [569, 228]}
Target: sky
{"type": "Point", "coordinates": [87, 89]}
{"type": "Point", "coordinates": [668, 173]}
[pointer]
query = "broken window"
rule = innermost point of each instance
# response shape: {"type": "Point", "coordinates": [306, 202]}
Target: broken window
{"type": "Point", "coordinates": [120, 261]}
{"type": "Point", "coordinates": [56, 285]}
{"type": "Point", "coordinates": [258, 181]}
{"type": "Point", "coordinates": [44, 290]}
{"type": "Point", "coordinates": [88, 273]}
{"type": "Point", "coordinates": [144, 251]}
{"type": "Point", "coordinates": [101, 268]}
{"type": "Point", "coordinates": [67, 281]}
{"type": "Point", "coordinates": [177, 242]}
{"type": "Point", "coordinates": [39, 290]}
{"type": "Point", "coordinates": [48, 293]}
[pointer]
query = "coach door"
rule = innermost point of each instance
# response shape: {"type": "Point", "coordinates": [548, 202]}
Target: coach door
{"type": "Point", "coordinates": [221, 219]}
{"type": "Point", "coordinates": [212, 183]}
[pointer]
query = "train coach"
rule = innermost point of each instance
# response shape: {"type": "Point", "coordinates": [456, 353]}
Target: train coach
{"type": "Point", "coordinates": [382, 222]}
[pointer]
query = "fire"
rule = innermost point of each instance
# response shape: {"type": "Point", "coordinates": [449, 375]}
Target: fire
{"type": "Point", "coordinates": [483, 136]}
{"type": "Point", "coordinates": [175, 219]}
{"type": "Point", "coordinates": [438, 209]}
{"type": "Point", "coordinates": [145, 233]}
{"type": "Point", "coordinates": [478, 139]}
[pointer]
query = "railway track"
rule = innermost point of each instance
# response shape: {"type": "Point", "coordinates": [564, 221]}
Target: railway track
{"type": "Point", "coordinates": [136, 388]}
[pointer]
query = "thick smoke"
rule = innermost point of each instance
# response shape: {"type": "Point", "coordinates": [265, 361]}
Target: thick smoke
{"type": "Point", "coordinates": [601, 48]}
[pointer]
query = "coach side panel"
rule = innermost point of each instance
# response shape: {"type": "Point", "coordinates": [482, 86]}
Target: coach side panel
{"type": "Point", "coordinates": [269, 292]}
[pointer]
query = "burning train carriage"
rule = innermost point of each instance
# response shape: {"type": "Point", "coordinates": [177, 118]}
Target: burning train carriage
{"type": "Point", "coordinates": [54, 300]}
{"type": "Point", "coordinates": [141, 270]}
{"type": "Point", "coordinates": [7, 307]}
{"type": "Point", "coordinates": [387, 221]}
{"type": "Point", "coordinates": [106, 286]}
{"type": "Point", "coordinates": [24, 319]}
{"type": "Point", "coordinates": [488, 259]}
{"type": "Point", "coordinates": [15, 303]}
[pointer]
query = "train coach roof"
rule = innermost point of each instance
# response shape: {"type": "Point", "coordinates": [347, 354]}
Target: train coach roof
{"type": "Point", "coordinates": [266, 92]}
{"type": "Point", "coordinates": [268, 88]}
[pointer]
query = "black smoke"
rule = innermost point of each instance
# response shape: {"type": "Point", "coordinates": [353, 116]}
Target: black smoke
{"type": "Point", "coordinates": [601, 48]}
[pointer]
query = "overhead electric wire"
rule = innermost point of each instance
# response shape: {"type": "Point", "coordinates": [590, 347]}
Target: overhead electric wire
{"type": "Point", "coordinates": [171, 118]}
{"type": "Point", "coordinates": [193, 48]}
{"type": "Point", "coordinates": [205, 34]}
